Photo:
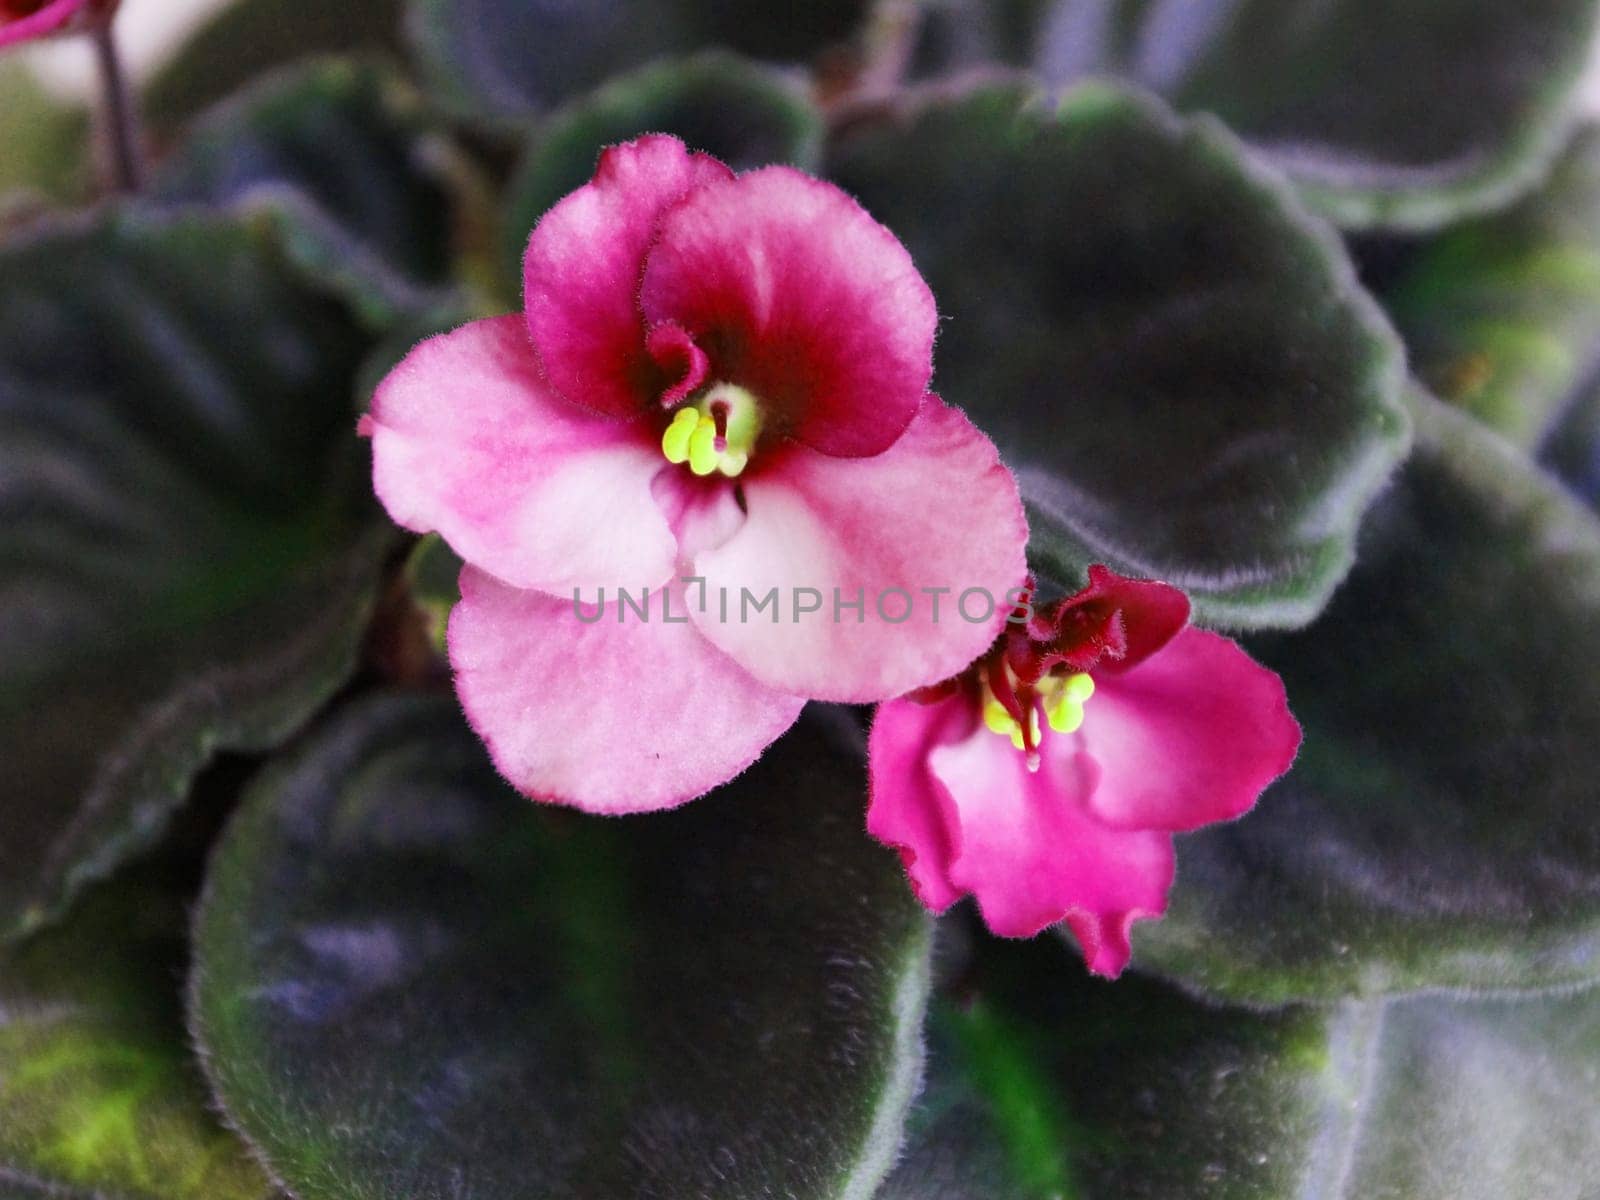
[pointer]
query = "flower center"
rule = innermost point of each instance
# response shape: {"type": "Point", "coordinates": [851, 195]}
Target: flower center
{"type": "Point", "coordinates": [1062, 696]}
{"type": "Point", "coordinates": [716, 432]}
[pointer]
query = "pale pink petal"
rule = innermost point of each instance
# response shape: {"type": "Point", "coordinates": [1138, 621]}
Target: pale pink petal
{"type": "Point", "coordinates": [468, 440]}
{"type": "Point", "coordinates": [935, 511]}
{"type": "Point", "coordinates": [49, 19]}
{"type": "Point", "coordinates": [1032, 854]}
{"type": "Point", "coordinates": [796, 294]}
{"type": "Point", "coordinates": [583, 266]}
{"type": "Point", "coordinates": [908, 809]}
{"type": "Point", "coordinates": [616, 716]}
{"type": "Point", "coordinates": [702, 511]}
{"type": "Point", "coordinates": [1190, 736]}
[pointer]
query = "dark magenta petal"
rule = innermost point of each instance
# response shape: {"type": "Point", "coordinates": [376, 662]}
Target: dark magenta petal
{"type": "Point", "coordinates": [583, 266]}
{"type": "Point", "coordinates": [468, 440]}
{"type": "Point", "coordinates": [935, 511]}
{"type": "Point", "coordinates": [678, 359]}
{"type": "Point", "coordinates": [1115, 622]}
{"type": "Point", "coordinates": [798, 295]}
{"type": "Point", "coordinates": [614, 716]}
{"type": "Point", "coordinates": [1190, 736]}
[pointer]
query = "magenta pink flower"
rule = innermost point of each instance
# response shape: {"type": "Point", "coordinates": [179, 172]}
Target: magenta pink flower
{"type": "Point", "coordinates": [1048, 780]}
{"type": "Point", "coordinates": [716, 378]}
{"type": "Point", "coordinates": [28, 20]}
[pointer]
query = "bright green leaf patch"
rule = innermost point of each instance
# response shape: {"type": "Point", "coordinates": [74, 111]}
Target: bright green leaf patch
{"type": "Point", "coordinates": [188, 544]}
{"type": "Point", "coordinates": [746, 115]}
{"type": "Point", "coordinates": [1399, 115]}
{"type": "Point", "coordinates": [98, 1092]}
{"type": "Point", "coordinates": [1047, 1084]}
{"type": "Point", "coordinates": [1502, 315]}
{"type": "Point", "coordinates": [1438, 830]}
{"type": "Point", "coordinates": [335, 152]}
{"type": "Point", "coordinates": [1174, 358]}
{"type": "Point", "coordinates": [408, 977]}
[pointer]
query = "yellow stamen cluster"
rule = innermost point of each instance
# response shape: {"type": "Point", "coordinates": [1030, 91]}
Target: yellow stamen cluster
{"type": "Point", "coordinates": [1063, 696]}
{"type": "Point", "coordinates": [716, 433]}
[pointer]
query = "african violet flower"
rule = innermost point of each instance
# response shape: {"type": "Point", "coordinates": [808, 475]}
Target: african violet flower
{"type": "Point", "coordinates": [716, 377]}
{"type": "Point", "coordinates": [1048, 780]}
{"type": "Point", "coordinates": [27, 20]}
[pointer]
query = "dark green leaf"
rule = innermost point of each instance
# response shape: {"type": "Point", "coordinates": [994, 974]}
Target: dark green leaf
{"type": "Point", "coordinates": [248, 38]}
{"type": "Point", "coordinates": [188, 547]}
{"type": "Point", "coordinates": [744, 114]}
{"type": "Point", "coordinates": [333, 150]}
{"type": "Point", "coordinates": [1177, 361]}
{"type": "Point", "coordinates": [412, 982]}
{"type": "Point", "coordinates": [1400, 115]}
{"type": "Point", "coordinates": [1502, 315]}
{"type": "Point", "coordinates": [1439, 828]}
{"type": "Point", "coordinates": [99, 1095]}
{"type": "Point", "coordinates": [1050, 1084]}
{"type": "Point", "coordinates": [511, 58]}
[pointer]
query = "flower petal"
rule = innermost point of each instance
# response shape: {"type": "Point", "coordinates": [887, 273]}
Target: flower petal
{"type": "Point", "coordinates": [935, 511]}
{"type": "Point", "coordinates": [908, 809]}
{"type": "Point", "coordinates": [618, 716]}
{"type": "Point", "coordinates": [468, 440]}
{"type": "Point", "coordinates": [49, 19]}
{"type": "Point", "coordinates": [1115, 622]}
{"type": "Point", "coordinates": [1192, 735]}
{"type": "Point", "coordinates": [1032, 854]}
{"type": "Point", "coordinates": [582, 270]}
{"type": "Point", "coordinates": [798, 295]}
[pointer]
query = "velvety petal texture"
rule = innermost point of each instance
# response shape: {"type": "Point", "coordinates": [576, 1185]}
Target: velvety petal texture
{"type": "Point", "coordinates": [612, 712]}
{"type": "Point", "coordinates": [717, 377]}
{"type": "Point", "coordinates": [21, 21]}
{"type": "Point", "coordinates": [797, 294]}
{"type": "Point", "coordinates": [469, 441]}
{"type": "Point", "coordinates": [1191, 736]}
{"type": "Point", "coordinates": [970, 818]}
{"type": "Point", "coordinates": [929, 536]}
{"type": "Point", "coordinates": [1081, 832]}
{"type": "Point", "coordinates": [584, 263]}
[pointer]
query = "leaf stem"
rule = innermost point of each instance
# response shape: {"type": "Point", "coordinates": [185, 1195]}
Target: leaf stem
{"type": "Point", "coordinates": [122, 123]}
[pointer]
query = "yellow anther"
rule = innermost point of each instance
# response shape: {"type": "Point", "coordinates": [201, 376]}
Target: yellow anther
{"type": "Point", "coordinates": [1016, 730]}
{"type": "Point", "coordinates": [1065, 714]}
{"type": "Point", "coordinates": [703, 454]}
{"type": "Point", "coordinates": [675, 441]}
{"type": "Point", "coordinates": [1078, 688]}
{"type": "Point", "coordinates": [999, 720]}
{"type": "Point", "coordinates": [718, 432]}
{"type": "Point", "coordinates": [1064, 701]}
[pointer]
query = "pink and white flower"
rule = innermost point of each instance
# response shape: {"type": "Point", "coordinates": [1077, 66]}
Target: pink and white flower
{"type": "Point", "coordinates": [717, 378]}
{"type": "Point", "coordinates": [1048, 779]}
{"type": "Point", "coordinates": [28, 20]}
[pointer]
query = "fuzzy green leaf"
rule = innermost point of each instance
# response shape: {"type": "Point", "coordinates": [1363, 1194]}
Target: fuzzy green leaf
{"type": "Point", "coordinates": [1046, 1084]}
{"type": "Point", "coordinates": [188, 544]}
{"type": "Point", "coordinates": [1175, 359]}
{"type": "Point", "coordinates": [1502, 314]}
{"type": "Point", "coordinates": [1404, 116]}
{"type": "Point", "coordinates": [1438, 830]}
{"type": "Point", "coordinates": [412, 982]}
